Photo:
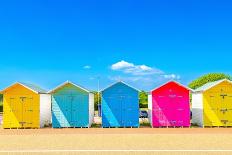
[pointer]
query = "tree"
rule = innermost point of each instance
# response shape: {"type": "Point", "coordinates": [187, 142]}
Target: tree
{"type": "Point", "coordinates": [97, 99]}
{"type": "Point", "coordinates": [211, 77]}
{"type": "Point", "coordinates": [143, 99]}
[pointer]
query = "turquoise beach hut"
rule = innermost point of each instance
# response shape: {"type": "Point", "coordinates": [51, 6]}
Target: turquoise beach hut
{"type": "Point", "coordinates": [72, 106]}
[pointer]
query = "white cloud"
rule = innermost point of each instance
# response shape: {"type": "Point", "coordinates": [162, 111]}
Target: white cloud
{"type": "Point", "coordinates": [121, 65]}
{"type": "Point", "coordinates": [87, 67]}
{"type": "Point", "coordinates": [139, 70]}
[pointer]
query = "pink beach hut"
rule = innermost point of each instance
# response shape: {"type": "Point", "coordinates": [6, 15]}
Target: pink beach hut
{"type": "Point", "coordinates": [169, 105]}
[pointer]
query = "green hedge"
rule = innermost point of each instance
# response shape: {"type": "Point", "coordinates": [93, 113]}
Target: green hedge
{"type": "Point", "coordinates": [211, 77]}
{"type": "Point", "coordinates": [143, 105]}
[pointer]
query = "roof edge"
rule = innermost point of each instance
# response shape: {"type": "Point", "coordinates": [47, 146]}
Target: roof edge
{"type": "Point", "coordinates": [65, 83]}
{"type": "Point", "coordinates": [15, 83]}
{"type": "Point", "coordinates": [120, 82]}
{"type": "Point", "coordinates": [178, 83]}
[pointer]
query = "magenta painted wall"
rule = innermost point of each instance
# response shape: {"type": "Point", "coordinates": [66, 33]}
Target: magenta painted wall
{"type": "Point", "coordinates": [171, 106]}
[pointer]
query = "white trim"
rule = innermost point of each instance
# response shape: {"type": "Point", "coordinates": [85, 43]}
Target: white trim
{"type": "Point", "coordinates": [122, 83]}
{"type": "Point", "coordinates": [174, 82]}
{"type": "Point", "coordinates": [150, 109]}
{"type": "Point", "coordinates": [65, 83]}
{"type": "Point", "coordinates": [60, 150]}
{"type": "Point", "coordinates": [5, 89]}
{"type": "Point", "coordinates": [91, 109]}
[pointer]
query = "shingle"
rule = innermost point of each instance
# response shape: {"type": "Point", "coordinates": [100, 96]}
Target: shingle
{"type": "Point", "coordinates": [34, 87]}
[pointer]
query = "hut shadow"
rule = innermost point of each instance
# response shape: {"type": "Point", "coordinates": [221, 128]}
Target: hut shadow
{"type": "Point", "coordinates": [61, 121]}
{"type": "Point", "coordinates": [109, 119]}
{"type": "Point", "coordinates": [211, 116]}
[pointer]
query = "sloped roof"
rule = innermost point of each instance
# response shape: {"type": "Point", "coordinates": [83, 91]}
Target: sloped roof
{"type": "Point", "coordinates": [170, 82]}
{"type": "Point", "coordinates": [29, 86]}
{"type": "Point", "coordinates": [209, 85]}
{"type": "Point", "coordinates": [122, 83]}
{"type": "Point", "coordinates": [68, 82]}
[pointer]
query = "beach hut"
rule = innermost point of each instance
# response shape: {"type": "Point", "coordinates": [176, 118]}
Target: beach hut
{"type": "Point", "coordinates": [212, 104]}
{"type": "Point", "coordinates": [120, 106]}
{"type": "Point", "coordinates": [26, 106]}
{"type": "Point", "coordinates": [169, 105]}
{"type": "Point", "coordinates": [72, 106]}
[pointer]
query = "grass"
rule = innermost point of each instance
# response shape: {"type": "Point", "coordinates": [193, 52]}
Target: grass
{"type": "Point", "coordinates": [145, 124]}
{"type": "Point", "coordinates": [94, 125]}
{"type": "Point", "coordinates": [194, 126]}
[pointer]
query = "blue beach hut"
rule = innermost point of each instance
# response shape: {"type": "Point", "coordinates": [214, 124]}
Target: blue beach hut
{"type": "Point", "coordinates": [72, 106]}
{"type": "Point", "coordinates": [120, 106]}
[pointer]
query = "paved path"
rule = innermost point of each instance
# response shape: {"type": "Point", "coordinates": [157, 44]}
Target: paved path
{"type": "Point", "coordinates": [117, 141]}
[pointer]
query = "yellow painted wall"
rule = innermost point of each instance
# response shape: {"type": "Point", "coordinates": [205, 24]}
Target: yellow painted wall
{"type": "Point", "coordinates": [217, 105]}
{"type": "Point", "coordinates": [21, 108]}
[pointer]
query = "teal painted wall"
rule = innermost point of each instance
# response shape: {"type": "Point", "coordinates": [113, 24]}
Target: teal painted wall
{"type": "Point", "coordinates": [70, 107]}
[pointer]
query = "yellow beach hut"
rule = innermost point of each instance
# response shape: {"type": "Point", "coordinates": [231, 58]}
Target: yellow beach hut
{"type": "Point", "coordinates": [212, 104]}
{"type": "Point", "coordinates": [26, 106]}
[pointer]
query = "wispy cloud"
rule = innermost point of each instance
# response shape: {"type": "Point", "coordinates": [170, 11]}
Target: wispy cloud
{"type": "Point", "coordinates": [130, 68]}
{"type": "Point", "coordinates": [87, 67]}
{"type": "Point", "coordinates": [142, 76]}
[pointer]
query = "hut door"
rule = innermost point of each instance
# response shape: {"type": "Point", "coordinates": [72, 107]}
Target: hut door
{"type": "Point", "coordinates": [78, 112]}
{"type": "Point", "coordinates": [211, 115]}
{"type": "Point", "coordinates": [83, 109]}
{"type": "Point", "coordinates": [14, 112]}
{"type": "Point", "coordinates": [159, 117]}
{"type": "Point", "coordinates": [183, 114]}
{"type": "Point", "coordinates": [127, 111]}
{"type": "Point", "coordinates": [117, 110]}
{"type": "Point", "coordinates": [229, 109]}
{"type": "Point", "coordinates": [59, 111]}
{"type": "Point", "coordinates": [68, 110]}
{"type": "Point", "coordinates": [73, 112]}
{"type": "Point", "coordinates": [223, 97]}
{"type": "Point", "coordinates": [22, 114]}
{"type": "Point", "coordinates": [124, 111]}
{"type": "Point", "coordinates": [27, 111]}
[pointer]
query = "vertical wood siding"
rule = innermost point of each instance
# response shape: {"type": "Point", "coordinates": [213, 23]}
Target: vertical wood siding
{"type": "Point", "coordinates": [70, 107]}
{"type": "Point", "coordinates": [21, 108]}
{"type": "Point", "coordinates": [171, 106]}
{"type": "Point", "coordinates": [120, 106]}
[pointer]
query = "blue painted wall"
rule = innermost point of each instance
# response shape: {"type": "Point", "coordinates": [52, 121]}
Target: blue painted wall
{"type": "Point", "coordinates": [70, 107]}
{"type": "Point", "coordinates": [120, 106]}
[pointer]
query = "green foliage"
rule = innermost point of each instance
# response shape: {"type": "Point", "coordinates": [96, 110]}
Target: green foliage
{"type": "Point", "coordinates": [97, 99]}
{"type": "Point", "coordinates": [143, 99]}
{"type": "Point", "coordinates": [145, 124]}
{"type": "Point", "coordinates": [208, 78]}
{"type": "Point", "coordinates": [94, 125]}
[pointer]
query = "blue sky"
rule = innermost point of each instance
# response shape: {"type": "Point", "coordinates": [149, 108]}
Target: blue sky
{"type": "Point", "coordinates": [144, 43]}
